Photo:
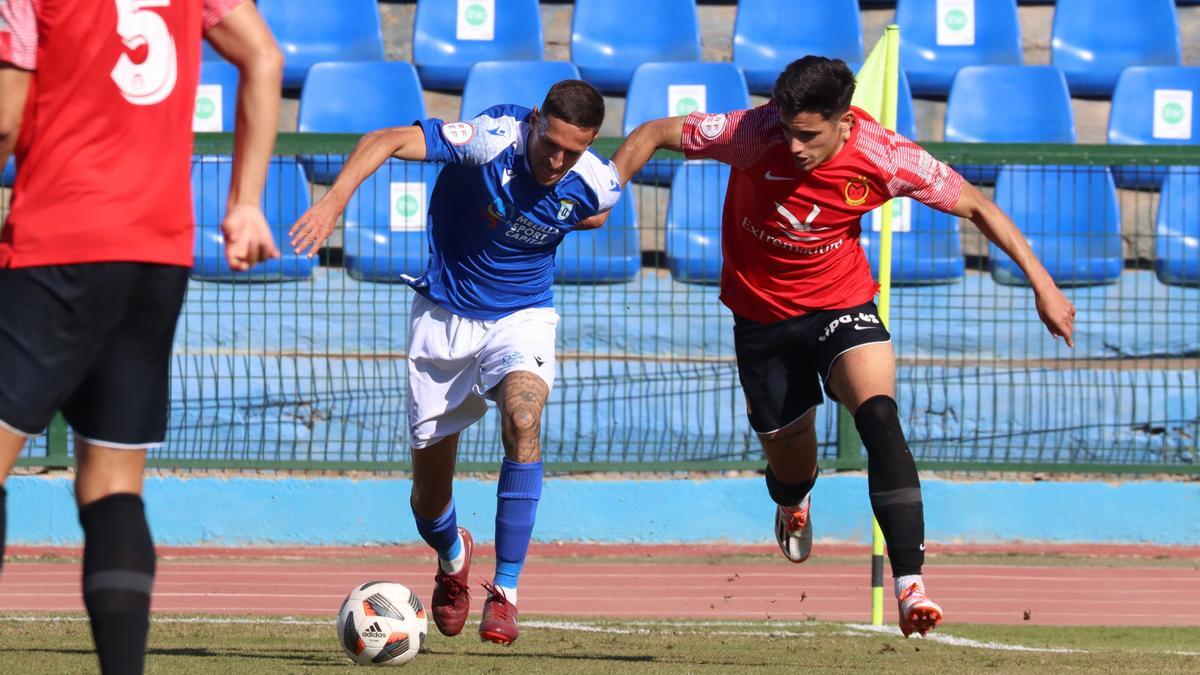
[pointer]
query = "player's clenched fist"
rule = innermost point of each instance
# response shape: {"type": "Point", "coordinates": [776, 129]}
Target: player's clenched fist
{"type": "Point", "coordinates": [248, 239]}
{"type": "Point", "coordinates": [314, 227]}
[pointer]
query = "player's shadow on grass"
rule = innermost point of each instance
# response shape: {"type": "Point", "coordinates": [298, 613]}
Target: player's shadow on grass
{"type": "Point", "coordinates": [685, 661]}
{"type": "Point", "coordinates": [565, 657]}
{"type": "Point", "coordinates": [316, 658]}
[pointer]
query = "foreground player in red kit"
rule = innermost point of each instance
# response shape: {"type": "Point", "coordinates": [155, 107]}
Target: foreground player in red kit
{"type": "Point", "coordinates": [806, 167]}
{"type": "Point", "coordinates": [96, 96]}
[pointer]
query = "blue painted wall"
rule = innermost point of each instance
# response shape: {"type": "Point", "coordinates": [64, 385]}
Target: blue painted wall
{"type": "Point", "coordinates": [341, 511]}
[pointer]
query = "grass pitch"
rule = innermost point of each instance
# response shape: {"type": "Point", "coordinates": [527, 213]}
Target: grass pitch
{"type": "Point", "coordinates": [224, 645]}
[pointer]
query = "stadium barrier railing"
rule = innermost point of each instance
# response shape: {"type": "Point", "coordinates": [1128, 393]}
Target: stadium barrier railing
{"type": "Point", "coordinates": [303, 366]}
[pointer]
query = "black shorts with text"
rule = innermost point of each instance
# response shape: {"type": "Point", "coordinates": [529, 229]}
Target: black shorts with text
{"type": "Point", "coordinates": [782, 365]}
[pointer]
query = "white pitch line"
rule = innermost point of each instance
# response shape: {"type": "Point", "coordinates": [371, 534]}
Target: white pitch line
{"type": "Point", "coordinates": [864, 629]}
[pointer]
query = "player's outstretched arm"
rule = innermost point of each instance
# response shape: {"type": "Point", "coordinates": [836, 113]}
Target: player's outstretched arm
{"type": "Point", "coordinates": [664, 133]}
{"type": "Point", "coordinates": [243, 38]}
{"type": "Point", "coordinates": [14, 86]}
{"type": "Point", "coordinates": [1055, 310]}
{"type": "Point", "coordinates": [314, 227]}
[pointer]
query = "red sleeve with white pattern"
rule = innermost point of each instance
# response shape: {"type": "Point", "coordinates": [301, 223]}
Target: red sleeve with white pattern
{"type": "Point", "coordinates": [215, 10]}
{"type": "Point", "coordinates": [739, 138]}
{"type": "Point", "coordinates": [18, 33]}
{"type": "Point", "coordinates": [910, 171]}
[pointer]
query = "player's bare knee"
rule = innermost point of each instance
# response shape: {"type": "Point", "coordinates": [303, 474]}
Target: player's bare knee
{"type": "Point", "coordinates": [523, 421]}
{"type": "Point", "coordinates": [796, 429]}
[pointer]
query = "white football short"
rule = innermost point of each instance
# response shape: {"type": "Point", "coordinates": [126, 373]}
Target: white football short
{"type": "Point", "coordinates": [455, 362]}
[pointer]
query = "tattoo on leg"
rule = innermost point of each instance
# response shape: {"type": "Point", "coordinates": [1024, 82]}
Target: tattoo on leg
{"type": "Point", "coordinates": [522, 398]}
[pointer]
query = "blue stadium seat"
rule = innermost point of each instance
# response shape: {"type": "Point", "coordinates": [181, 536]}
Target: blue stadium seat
{"type": "Point", "coordinates": [765, 38]}
{"type": "Point", "coordinates": [1069, 216]}
{"type": "Point", "coordinates": [314, 31]}
{"type": "Point", "coordinates": [934, 47]}
{"type": "Point", "coordinates": [926, 248]}
{"type": "Point", "coordinates": [1008, 104]}
{"type": "Point", "coordinates": [1094, 40]}
{"type": "Point", "coordinates": [906, 115]}
{"type": "Point", "coordinates": [285, 199]}
{"type": "Point", "coordinates": [1177, 235]}
{"type": "Point", "coordinates": [10, 172]}
{"type": "Point", "coordinates": [216, 97]}
{"type": "Point", "coordinates": [446, 44]}
{"type": "Point", "coordinates": [610, 38]}
{"type": "Point", "coordinates": [1153, 105]}
{"type": "Point", "coordinates": [517, 82]}
{"type": "Point", "coordinates": [385, 222]}
{"type": "Point", "coordinates": [355, 98]}
{"type": "Point", "coordinates": [693, 244]}
{"type": "Point", "coordinates": [666, 89]}
{"type": "Point", "coordinates": [608, 255]}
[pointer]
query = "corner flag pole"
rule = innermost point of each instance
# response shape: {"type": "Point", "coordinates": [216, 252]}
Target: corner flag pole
{"type": "Point", "coordinates": [891, 87]}
{"type": "Point", "coordinates": [877, 91]}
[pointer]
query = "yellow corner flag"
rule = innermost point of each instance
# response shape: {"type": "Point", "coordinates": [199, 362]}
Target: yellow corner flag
{"type": "Point", "coordinates": [876, 91]}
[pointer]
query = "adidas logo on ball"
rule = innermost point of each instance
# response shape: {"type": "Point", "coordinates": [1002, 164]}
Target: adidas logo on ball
{"type": "Point", "coordinates": [374, 631]}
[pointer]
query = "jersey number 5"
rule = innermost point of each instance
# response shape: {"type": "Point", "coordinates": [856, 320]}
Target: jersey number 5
{"type": "Point", "coordinates": [153, 79]}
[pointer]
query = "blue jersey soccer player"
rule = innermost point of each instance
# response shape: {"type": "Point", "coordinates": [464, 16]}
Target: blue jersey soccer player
{"type": "Point", "coordinates": [483, 324]}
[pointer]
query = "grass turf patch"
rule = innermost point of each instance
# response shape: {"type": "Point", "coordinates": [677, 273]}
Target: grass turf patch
{"type": "Point", "coordinates": [236, 645]}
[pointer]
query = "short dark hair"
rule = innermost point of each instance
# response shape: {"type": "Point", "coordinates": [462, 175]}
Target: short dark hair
{"type": "Point", "coordinates": [814, 84]}
{"type": "Point", "coordinates": [575, 102]}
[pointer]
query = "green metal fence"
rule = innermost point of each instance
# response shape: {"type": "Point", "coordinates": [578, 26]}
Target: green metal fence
{"type": "Point", "coordinates": [308, 370]}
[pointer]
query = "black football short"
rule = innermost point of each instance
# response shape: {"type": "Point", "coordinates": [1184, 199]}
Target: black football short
{"type": "Point", "coordinates": [93, 340]}
{"type": "Point", "coordinates": [783, 364]}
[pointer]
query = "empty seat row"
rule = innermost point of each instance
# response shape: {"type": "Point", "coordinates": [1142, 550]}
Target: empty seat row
{"type": "Point", "coordinates": [987, 104]}
{"type": "Point", "coordinates": [1069, 215]}
{"type": "Point", "coordinates": [1031, 104]}
{"type": "Point", "coordinates": [1092, 40]}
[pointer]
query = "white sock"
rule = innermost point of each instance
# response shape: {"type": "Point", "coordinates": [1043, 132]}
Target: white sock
{"type": "Point", "coordinates": [904, 582]}
{"type": "Point", "coordinates": [453, 566]}
{"type": "Point", "coordinates": [510, 594]}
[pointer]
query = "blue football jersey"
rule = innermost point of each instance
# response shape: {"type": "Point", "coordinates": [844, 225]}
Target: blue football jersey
{"type": "Point", "coordinates": [493, 230]}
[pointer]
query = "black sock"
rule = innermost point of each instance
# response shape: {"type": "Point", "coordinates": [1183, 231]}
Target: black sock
{"type": "Point", "coordinates": [3, 523]}
{"type": "Point", "coordinates": [894, 485]}
{"type": "Point", "coordinates": [118, 573]}
{"type": "Point", "coordinates": [787, 494]}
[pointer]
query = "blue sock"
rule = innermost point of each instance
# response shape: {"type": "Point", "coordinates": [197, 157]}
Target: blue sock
{"type": "Point", "coordinates": [441, 533]}
{"type": "Point", "coordinates": [517, 498]}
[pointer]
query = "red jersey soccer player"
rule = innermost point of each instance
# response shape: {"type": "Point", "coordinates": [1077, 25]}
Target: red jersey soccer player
{"type": "Point", "coordinates": [805, 168]}
{"type": "Point", "coordinates": [96, 96]}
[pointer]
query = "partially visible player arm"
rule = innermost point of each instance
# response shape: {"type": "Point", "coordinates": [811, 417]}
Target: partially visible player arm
{"type": "Point", "coordinates": [665, 133]}
{"type": "Point", "coordinates": [1055, 310]}
{"type": "Point", "coordinates": [638, 147]}
{"type": "Point", "coordinates": [594, 221]}
{"type": "Point", "coordinates": [373, 149]}
{"type": "Point", "coordinates": [14, 86]}
{"type": "Point", "coordinates": [243, 38]}
{"type": "Point", "coordinates": [18, 58]}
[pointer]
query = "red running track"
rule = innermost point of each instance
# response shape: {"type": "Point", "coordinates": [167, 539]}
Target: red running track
{"type": "Point", "coordinates": [316, 585]}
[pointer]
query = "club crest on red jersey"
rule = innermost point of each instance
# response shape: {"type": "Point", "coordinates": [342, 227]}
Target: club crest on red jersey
{"type": "Point", "coordinates": [712, 126]}
{"type": "Point", "coordinates": [856, 191]}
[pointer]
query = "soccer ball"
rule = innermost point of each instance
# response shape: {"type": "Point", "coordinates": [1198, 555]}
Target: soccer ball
{"type": "Point", "coordinates": [382, 624]}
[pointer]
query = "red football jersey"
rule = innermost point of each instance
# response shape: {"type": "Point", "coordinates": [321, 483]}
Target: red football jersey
{"type": "Point", "coordinates": [105, 148]}
{"type": "Point", "coordinates": [790, 237]}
